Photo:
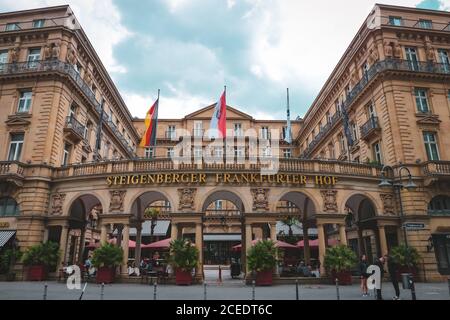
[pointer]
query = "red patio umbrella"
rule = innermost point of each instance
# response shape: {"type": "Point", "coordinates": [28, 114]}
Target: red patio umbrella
{"type": "Point", "coordinates": [278, 244]}
{"type": "Point", "coordinates": [162, 245]}
{"type": "Point", "coordinates": [315, 243]}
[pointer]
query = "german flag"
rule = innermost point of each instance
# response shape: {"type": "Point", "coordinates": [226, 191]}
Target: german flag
{"type": "Point", "coordinates": [151, 121]}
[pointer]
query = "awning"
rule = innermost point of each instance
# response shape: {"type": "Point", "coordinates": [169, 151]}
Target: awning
{"type": "Point", "coordinates": [5, 236]}
{"type": "Point", "coordinates": [160, 230]}
{"type": "Point", "coordinates": [222, 237]}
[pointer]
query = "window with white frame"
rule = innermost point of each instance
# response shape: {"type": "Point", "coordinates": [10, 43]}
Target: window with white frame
{"type": "Point", "coordinates": [287, 153]}
{"type": "Point", "coordinates": [239, 152]}
{"type": "Point", "coordinates": [170, 152]}
{"type": "Point", "coordinates": [218, 205]}
{"type": "Point", "coordinates": [431, 146]}
{"type": "Point", "coordinates": [395, 21]}
{"type": "Point", "coordinates": [66, 154]}
{"type": "Point", "coordinates": [377, 152]}
{"type": "Point", "coordinates": [354, 129]}
{"type": "Point", "coordinates": [3, 59]}
{"type": "Point", "coordinates": [371, 113]}
{"type": "Point", "coordinates": [198, 129]}
{"type": "Point", "coordinates": [443, 58]}
{"type": "Point", "coordinates": [426, 24]}
{"type": "Point", "coordinates": [342, 143]}
{"type": "Point", "coordinates": [411, 57]}
{"type": "Point", "coordinates": [12, 26]}
{"type": "Point", "coordinates": [266, 151]}
{"type": "Point", "coordinates": [422, 100]}
{"type": "Point", "coordinates": [34, 55]}
{"type": "Point", "coordinates": [328, 115]}
{"type": "Point", "coordinates": [149, 152]}
{"type": "Point", "coordinates": [331, 153]}
{"type": "Point", "coordinates": [218, 152]}
{"type": "Point", "coordinates": [198, 152]}
{"type": "Point", "coordinates": [38, 23]}
{"type": "Point", "coordinates": [15, 146]}
{"type": "Point", "coordinates": [8, 207]}
{"type": "Point", "coordinates": [265, 133]}
{"type": "Point", "coordinates": [171, 132]}
{"type": "Point", "coordinates": [24, 101]}
{"type": "Point", "coordinates": [238, 130]}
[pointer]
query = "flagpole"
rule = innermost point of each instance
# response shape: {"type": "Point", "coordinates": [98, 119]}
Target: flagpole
{"type": "Point", "coordinates": [288, 129]}
{"type": "Point", "coordinates": [225, 140]}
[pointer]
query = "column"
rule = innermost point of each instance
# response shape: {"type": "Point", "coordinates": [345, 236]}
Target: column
{"type": "Point", "coordinates": [174, 231]}
{"type": "Point", "coordinates": [361, 249]}
{"type": "Point", "coordinates": [137, 250]}
{"type": "Point", "coordinates": [383, 242]}
{"type": "Point", "coordinates": [63, 244]}
{"type": "Point", "coordinates": [46, 231]}
{"type": "Point", "coordinates": [103, 234]}
{"type": "Point", "coordinates": [306, 249]}
{"type": "Point", "coordinates": [322, 247]}
{"type": "Point", "coordinates": [342, 234]}
{"type": "Point", "coordinates": [199, 245]}
{"type": "Point", "coordinates": [248, 245]}
{"type": "Point", "coordinates": [125, 239]}
{"type": "Point", "coordinates": [273, 231]}
{"type": "Point", "coordinates": [400, 238]}
{"type": "Point", "coordinates": [82, 244]}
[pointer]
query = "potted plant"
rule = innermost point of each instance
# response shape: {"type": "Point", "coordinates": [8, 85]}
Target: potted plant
{"type": "Point", "coordinates": [339, 261]}
{"type": "Point", "coordinates": [7, 260]}
{"type": "Point", "coordinates": [184, 258]}
{"type": "Point", "coordinates": [261, 259]}
{"type": "Point", "coordinates": [106, 259]}
{"type": "Point", "coordinates": [407, 258]}
{"type": "Point", "coordinates": [40, 259]}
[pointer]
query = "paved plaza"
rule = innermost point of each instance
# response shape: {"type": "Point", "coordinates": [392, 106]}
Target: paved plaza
{"type": "Point", "coordinates": [228, 290]}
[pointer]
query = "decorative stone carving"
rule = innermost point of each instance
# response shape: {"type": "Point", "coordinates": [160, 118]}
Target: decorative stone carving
{"type": "Point", "coordinates": [388, 203]}
{"type": "Point", "coordinates": [373, 55]}
{"type": "Point", "coordinates": [71, 56]}
{"type": "Point", "coordinates": [57, 203]}
{"type": "Point", "coordinates": [387, 49]}
{"type": "Point", "coordinates": [55, 50]}
{"type": "Point", "coordinates": [14, 54]}
{"type": "Point", "coordinates": [429, 51]}
{"type": "Point", "coordinates": [260, 199]}
{"type": "Point", "coordinates": [329, 200]}
{"type": "Point", "coordinates": [187, 198]}
{"type": "Point", "coordinates": [47, 52]}
{"type": "Point", "coordinates": [116, 204]}
{"type": "Point", "coordinates": [397, 51]}
{"type": "Point", "coordinates": [88, 78]}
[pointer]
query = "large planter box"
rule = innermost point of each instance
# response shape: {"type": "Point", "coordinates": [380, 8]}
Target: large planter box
{"type": "Point", "coordinates": [183, 278]}
{"type": "Point", "coordinates": [401, 270]}
{"type": "Point", "coordinates": [105, 275]}
{"type": "Point", "coordinates": [344, 278]}
{"type": "Point", "coordinates": [264, 278]}
{"type": "Point", "coordinates": [37, 273]}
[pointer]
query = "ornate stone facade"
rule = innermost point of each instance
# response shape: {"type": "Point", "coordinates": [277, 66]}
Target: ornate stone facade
{"type": "Point", "coordinates": [329, 200]}
{"type": "Point", "coordinates": [260, 199]}
{"type": "Point", "coordinates": [388, 203]}
{"type": "Point", "coordinates": [116, 204]}
{"type": "Point", "coordinates": [57, 204]}
{"type": "Point", "coordinates": [187, 196]}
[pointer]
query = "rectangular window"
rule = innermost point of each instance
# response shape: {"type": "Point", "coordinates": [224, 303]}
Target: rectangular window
{"type": "Point", "coordinates": [354, 129]}
{"type": "Point", "coordinates": [218, 205]}
{"type": "Point", "coordinates": [12, 26]}
{"type": "Point", "coordinates": [66, 154]}
{"type": "Point", "coordinates": [377, 152]}
{"type": "Point", "coordinates": [170, 152]}
{"type": "Point", "coordinates": [422, 100]}
{"type": "Point", "coordinates": [3, 58]}
{"type": "Point", "coordinates": [24, 101]}
{"type": "Point", "coordinates": [365, 69]}
{"type": "Point", "coordinates": [287, 153]}
{"type": "Point", "coordinates": [431, 146]}
{"type": "Point", "coordinates": [342, 144]}
{"type": "Point", "coordinates": [395, 21]}
{"type": "Point", "coordinates": [265, 133]}
{"type": "Point", "coordinates": [149, 153]}
{"type": "Point", "coordinates": [15, 147]}
{"type": "Point", "coordinates": [328, 115]}
{"type": "Point", "coordinates": [266, 152]}
{"type": "Point", "coordinates": [198, 129]}
{"type": "Point", "coordinates": [218, 152]}
{"type": "Point", "coordinates": [443, 58]}
{"type": "Point", "coordinates": [238, 130]}
{"type": "Point", "coordinates": [198, 152]}
{"type": "Point", "coordinates": [239, 152]}
{"type": "Point", "coordinates": [425, 24]}
{"type": "Point", "coordinates": [171, 132]}
{"type": "Point", "coordinates": [38, 23]}
{"type": "Point", "coordinates": [34, 55]}
{"type": "Point", "coordinates": [413, 60]}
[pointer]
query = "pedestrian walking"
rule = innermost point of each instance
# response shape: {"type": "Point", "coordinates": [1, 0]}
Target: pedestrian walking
{"type": "Point", "coordinates": [363, 275]}
{"type": "Point", "coordinates": [380, 263]}
{"type": "Point", "coordinates": [392, 267]}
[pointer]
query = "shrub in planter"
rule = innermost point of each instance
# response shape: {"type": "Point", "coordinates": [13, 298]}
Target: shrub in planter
{"type": "Point", "coordinates": [106, 259]}
{"type": "Point", "coordinates": [261, 259]}
{"type": "Point", "coordinates": [184, 258]}
{"type": "Point", "coordinates": [406, 258]}
{"type": "Point", "coordinates": [40, 259]}
{"type": "Point", "coordinates": [339, 261]}
{"type": "Point", "coordinates": [7, 260]}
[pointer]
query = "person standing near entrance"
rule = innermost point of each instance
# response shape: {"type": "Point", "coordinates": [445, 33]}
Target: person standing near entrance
{"type": "Point", "coordinates": [380, 263]}
{"type": "Point", "coordinates": [392, 269]}
{"type": "Point", "coordinates": [363, 275]}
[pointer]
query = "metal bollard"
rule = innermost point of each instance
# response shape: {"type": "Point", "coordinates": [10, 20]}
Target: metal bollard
{"type": "Point", "coordinates": [413, 288]}
{"type": "Point", "coordinates": [204, 291]}
{"type": "Point", "coordinates": [154, 290]}
{"type": "Point", "coordinates": [45, 291]}
{"type": "Point", "coordinates": [337, 289]}
{"type": "Point", "coordinates": [448, 280]}
{"type": "Point", "coordinates": [253, 289]}
{"type": "Point", "coordinates": [296, 289]}
{"type": "Point", "coordinates": [102, 291]}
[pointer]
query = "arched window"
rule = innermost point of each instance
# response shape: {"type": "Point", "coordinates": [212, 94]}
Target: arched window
{"type": "Point", "coordinates": [8, 207]}
{"type": "Point", "coordinates": [439, 205]}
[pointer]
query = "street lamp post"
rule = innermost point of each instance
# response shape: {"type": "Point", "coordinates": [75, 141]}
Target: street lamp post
{"type": "Point", "coordinates": [398, 186]}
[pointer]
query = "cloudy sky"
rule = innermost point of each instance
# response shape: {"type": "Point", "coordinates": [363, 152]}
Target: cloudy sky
{"type": "Point", "coordinates": [190, 49]}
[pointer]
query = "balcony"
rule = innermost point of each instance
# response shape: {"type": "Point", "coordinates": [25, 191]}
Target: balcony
{"type": "Point", "coordinates": [416, 24]}
{"type": "Point", "coordinates": [52, 66]}
{"type": "Point", "coordinates": [74, 129]}
{"type": "Point", "coordinates": [370, 129]}
{"type": "Point", "coordinates": [198, 133]}
{"type": "Point", "coordinates": [12, 171]}
{"type": "Point", "coordinates": [425, 68]}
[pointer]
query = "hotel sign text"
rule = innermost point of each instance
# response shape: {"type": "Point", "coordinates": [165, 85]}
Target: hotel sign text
{"type": "Point", "coordinates": [218, 178]}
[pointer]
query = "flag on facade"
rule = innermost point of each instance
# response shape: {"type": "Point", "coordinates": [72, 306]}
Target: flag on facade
{"type": "Point", "coordinates": [288, 133]}
{"type": "Point", "coordinates": [218, 125]}
{"type": "Point", "coordinates": [347, 130]}
{"type": "Point", "coordinates": [151, 121]}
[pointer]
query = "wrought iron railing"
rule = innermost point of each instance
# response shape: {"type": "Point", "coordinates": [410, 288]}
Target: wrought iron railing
{"type": "Point", "coordinates": [416, 24]}
{"type": "Point", "coordinates": [370, 125]}
{"type": "Point", "coordinates": [67, 69]}
{"type": "Point", "coordinates": [75, 125]}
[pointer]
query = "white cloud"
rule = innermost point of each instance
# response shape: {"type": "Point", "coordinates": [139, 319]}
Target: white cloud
{"type": "Point", "coordinates": [100, 19]}
{"type": "Point", "coordinates": [445, 5]}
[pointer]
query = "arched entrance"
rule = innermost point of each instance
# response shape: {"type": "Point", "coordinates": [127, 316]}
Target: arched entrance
{"type": "Point", "coordinates": [367, 232]}
{"type": "Point", "coordinates": [223, 214]}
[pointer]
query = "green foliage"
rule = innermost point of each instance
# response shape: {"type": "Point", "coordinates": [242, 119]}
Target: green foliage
{"type": "Point", "coordinates": [6, 259]}
{"type": "Point", "coordinates": [289, 222]}
{"type": "Point", "coordinates": [405, 256]}
{"type": "Point", "coordinates": [183, 255]}
{"type": "Point", "coordinates": [262, 256]}
{"type": "Point", "coordinates": [151, 213]}
{"type": "Point", "coordinates": [46, 254]}
{"type": "Point", "coordinates": [108, 255]}
{"type": "Point", "coordinates": [340, 258]}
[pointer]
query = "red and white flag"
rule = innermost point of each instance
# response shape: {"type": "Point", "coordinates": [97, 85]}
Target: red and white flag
{"type": "Point", "coordinates": [218, 126]}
